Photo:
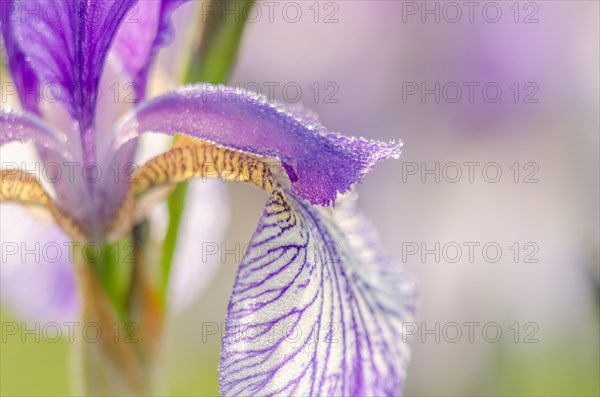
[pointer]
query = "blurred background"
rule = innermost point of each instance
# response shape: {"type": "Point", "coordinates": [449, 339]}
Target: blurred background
{"type": "Point", "coordinates": [493, 206]}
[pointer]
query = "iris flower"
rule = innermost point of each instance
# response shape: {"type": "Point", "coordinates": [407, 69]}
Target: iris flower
{"type": "Point", "coordinates": [317, 307]}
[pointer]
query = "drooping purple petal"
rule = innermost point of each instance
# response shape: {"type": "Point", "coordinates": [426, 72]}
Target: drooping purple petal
{"type": "Point", "coordinates": [65, 42]}
{"type": "Point", "coordinates": [316, 308]}
{"type": "Point", "coordinates": [37, 275]}
{"type": "Point", "coordinates": [319, 163]}
{"type": "Point", "coordinates": [140, 37]}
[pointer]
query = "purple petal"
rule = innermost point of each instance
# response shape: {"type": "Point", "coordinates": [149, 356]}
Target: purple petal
{"type": "Point", "coordinates": [140, 37]}
{"type": "Point", "coordinates": [65, 42]}
{"type": "Point", "coordinates": [37, 280]}
{"type": "Point", "coordinates": [21, 72]}
{"type": "Point", "coordinates": [22, 127]}
{"type": "Point", "coordinates": [68, 182]}
{"type": "Point", "coordinates": [316, 308]}
{"type": "Point", "coordinates": [143, 32]}
{"type": "Point", "coordinates": [319, 164]}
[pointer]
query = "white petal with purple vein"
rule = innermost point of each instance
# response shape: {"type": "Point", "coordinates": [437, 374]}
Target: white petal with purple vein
{"type": "Point", "coordinates": [317, 308]}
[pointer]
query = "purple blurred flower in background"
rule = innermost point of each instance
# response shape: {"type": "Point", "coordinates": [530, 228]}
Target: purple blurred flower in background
{"type": "Point", "coordinates": [317, 307]}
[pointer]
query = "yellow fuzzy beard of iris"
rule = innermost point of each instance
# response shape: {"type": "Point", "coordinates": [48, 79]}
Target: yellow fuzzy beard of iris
{"type": "Point", "coordinates": [21, 187]}
{"type": "Point", "coordinates": [188, 159]}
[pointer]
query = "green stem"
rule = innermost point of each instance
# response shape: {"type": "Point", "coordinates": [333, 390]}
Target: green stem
{"type": "Point", "coordinates": [125, 356]}
{"type": "Point", "coordinates": [175, 204]}
{"type": "Point", "coordinates": [211, 62]}
{"type": "Point", "coordinates": [113, 264]}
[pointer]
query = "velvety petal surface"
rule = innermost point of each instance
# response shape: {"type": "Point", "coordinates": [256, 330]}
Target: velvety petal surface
{"type": "Point", "coordinates": [65, 43]}
{"type": "Point", "coordinates": [319, 163]}
{"type": "Point", "coordinates": [37, 277]}
{"type": "Point", "coordinates": [317, 308]}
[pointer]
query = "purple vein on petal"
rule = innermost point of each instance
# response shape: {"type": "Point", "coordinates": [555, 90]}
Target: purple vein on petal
{"type": "Point", "coordinates": [343, 295]}
{"type": "Point", "coordinates": [67, 48]}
